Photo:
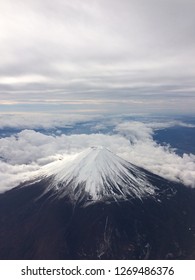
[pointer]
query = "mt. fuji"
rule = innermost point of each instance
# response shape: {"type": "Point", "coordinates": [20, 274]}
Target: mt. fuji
{"type": "Point", "coordinates": [95, 174]}
{"type": "Point", "coordinates": [96, 205]}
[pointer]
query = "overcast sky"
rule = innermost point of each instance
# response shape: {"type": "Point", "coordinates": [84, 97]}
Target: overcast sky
{"type": "Point", "coordinates": [97, 56]}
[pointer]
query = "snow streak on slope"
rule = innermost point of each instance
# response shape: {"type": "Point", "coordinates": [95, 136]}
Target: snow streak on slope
{"type": "Point", "coordinates": [97, 173]}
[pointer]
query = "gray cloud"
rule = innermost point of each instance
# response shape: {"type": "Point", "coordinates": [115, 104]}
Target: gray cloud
{"type": "Point", "coordinates": [141, 51]}
{"type": "Point", "coordinates": [44, 121]}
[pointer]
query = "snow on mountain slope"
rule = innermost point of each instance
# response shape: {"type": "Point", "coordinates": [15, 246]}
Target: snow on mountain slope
{"type": "Point", "coordinates": [97, 173]}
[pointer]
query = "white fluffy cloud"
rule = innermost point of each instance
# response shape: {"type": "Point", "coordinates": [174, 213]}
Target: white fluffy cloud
{"type": "Point", "coordinates": [23, 154]}
{"type": "Point", "coordinates": [161, 160]}
{"type": "Point", "coordinates": [12, 175]}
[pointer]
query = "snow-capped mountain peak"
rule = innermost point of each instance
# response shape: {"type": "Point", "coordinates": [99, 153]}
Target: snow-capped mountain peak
{"type": "Point", "coordinates": [95, 174]}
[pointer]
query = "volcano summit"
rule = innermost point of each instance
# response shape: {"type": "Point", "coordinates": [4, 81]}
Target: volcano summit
{"type": "Point", "coordinates": [95, 205]}
{"type": "Point", "coordinates": [96, 174]}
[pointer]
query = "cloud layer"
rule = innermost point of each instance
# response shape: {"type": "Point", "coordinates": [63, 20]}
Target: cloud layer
{"type": "Point", "coordinates": [44, 121]}
{"type": "Point", "coordinates": [22, 155]}
{"type": "Point", "coordinates": [112, 55]}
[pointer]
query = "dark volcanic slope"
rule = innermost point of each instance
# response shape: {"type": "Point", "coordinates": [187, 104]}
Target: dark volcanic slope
{"type": "Point", "coordinates": [35, 226]}
{"type": "Point", "coordinates": [97, 206]}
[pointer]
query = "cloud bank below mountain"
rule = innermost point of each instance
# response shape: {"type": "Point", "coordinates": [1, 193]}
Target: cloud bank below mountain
{"type": "Point", "coordinates": [23, 154]}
